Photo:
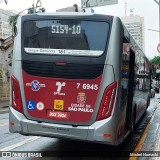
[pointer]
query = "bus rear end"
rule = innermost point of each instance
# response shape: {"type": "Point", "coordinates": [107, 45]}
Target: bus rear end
{"type": "Point", "coordinates": [59, 87]}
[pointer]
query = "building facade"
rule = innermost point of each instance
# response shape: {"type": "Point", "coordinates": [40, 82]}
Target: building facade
{"type": "Point", "coordinates": [6, 43]}
{"type": "Point", "coordinates": [5, 27]}
{"type": "Point", "coordinates": [135, 25]}
{"type": "Point", "coordinates": [6, 48]}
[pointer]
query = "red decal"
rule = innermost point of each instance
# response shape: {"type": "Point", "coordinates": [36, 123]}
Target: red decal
{"type": "Point", "coordinates": [73, 100]}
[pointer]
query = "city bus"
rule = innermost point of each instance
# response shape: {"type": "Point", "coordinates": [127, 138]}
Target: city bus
{"type": "Point", "coordinates": [78, 76]}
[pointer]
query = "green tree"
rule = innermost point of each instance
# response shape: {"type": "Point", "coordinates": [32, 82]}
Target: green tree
{"type": "Point", "coordinates": [31, 10]}
{"type": "Point", "coordinates": [12, 19]}
{"type": "Point", "coordinates": [155, 63]}
{"type": "Point", "coordinates": [155, 60]}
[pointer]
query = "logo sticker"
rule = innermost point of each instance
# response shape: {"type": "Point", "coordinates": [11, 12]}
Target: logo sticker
{"type": "Point", "coordinates": [59, 87]}
{"type": "Point", "coordinates": [40, 106]}
{"type": "Point", "coordinates": [31, 105]}
{"type": "Point", "coordinates": [35, 85]}
{"type": "Point", "coordinates": [81, 98]}
{"type": "Point", "coordinates": [80, 107]}
{"type": "Point", "coordinates": [58, 104]}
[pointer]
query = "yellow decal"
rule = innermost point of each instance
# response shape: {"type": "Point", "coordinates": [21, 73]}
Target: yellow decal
{"type": "Point", "coordinates": [58, 104]}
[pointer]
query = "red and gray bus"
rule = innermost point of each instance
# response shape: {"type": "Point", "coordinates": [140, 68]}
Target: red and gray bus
{"type": "Point", "coordinates": [77, 76]}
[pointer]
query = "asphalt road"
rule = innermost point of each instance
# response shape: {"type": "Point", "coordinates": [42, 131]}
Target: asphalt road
{"type": "Point", "coordinates": [4, 106]}
{"type": "Point", "coordinates": [67, 149]}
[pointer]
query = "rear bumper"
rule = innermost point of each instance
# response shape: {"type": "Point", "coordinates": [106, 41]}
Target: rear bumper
{"type": "Point", "coordinates": [92, 133]}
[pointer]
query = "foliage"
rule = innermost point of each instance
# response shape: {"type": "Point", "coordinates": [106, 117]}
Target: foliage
{"type": "Point", "coordinates": [155, 60]}
{"type": "Point", "coordinates": [12, 19]}
{"type": "Point", "coordinates": [31, 10]}
{"type": "Point", "coordinates": [155, 63]}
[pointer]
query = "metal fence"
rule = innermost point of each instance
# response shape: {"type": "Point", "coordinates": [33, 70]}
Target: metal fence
{"type": "Point", "coordinates": [4, 90]}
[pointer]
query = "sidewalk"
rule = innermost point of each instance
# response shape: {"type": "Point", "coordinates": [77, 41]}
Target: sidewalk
{"type": "Point", "coordinates": [150, 140]}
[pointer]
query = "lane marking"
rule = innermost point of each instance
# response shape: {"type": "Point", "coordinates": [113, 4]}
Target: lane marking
{"type": "Point", "coordinates": [19, 144]}
{"type": "Point", "coordinates": [143, 137]}
{"type": "Point", "coordinates": [4, 124]}
{"type": "Point", "coordinates": [157, 143]}
{"type": "Point", "coordinates": [4, 110]}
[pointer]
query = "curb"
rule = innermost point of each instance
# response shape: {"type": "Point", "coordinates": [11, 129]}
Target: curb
{"type": "Point", "coordinates": [4, 110]}
{"type": "Point", "coordinates": [5, 106]}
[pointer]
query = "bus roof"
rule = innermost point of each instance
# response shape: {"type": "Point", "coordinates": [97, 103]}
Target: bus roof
{"type": "Point", "coordinates": [66, 13]}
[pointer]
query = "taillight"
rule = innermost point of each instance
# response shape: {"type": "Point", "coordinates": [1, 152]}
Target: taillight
{"type": "Point", "coordinates": [107, 102]}
{"type": "Point", "coordinates": [16, 95]}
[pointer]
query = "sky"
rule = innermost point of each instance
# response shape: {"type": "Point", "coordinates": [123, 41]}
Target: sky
{"type": "Point", "coordinates": [148, 9]}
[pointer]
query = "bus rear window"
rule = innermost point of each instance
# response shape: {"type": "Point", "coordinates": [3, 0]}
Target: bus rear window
{"type": "Point", "coordinates": [65, 37]}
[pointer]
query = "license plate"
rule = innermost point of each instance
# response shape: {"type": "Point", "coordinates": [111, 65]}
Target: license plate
{"type": "Point", "coordinates": [57, 114]}
{"type": "Point", "coordinates": [58, 105]}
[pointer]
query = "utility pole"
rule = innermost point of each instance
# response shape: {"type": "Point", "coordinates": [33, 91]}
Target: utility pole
{"type": "Point", "coordinates": [6, 1]}
{"type": "Point", "coordinates": [33, 7]}
{"type": "Point", "coordinates": [159, 17]}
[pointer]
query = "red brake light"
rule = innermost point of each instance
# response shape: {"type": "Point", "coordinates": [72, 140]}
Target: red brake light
{"type": "Point", "coordinates": [107, 102]}
{"type": "Point", "coordinates": [16, 95]}
{"type": "Point", "coordinates": [107, 135]}
{"type": "Point", "coordinates": [60, 63]}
